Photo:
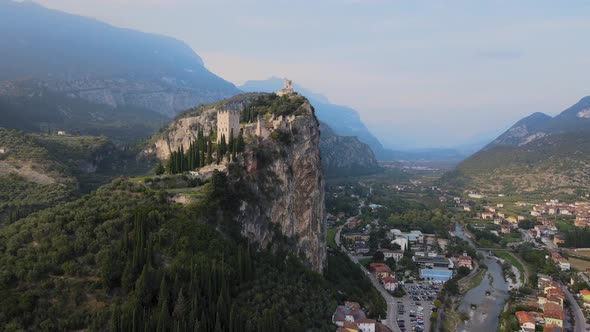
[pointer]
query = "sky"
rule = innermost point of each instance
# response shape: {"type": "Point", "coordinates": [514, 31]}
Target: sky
{"type": "Point", "coordinates": [420, 73]}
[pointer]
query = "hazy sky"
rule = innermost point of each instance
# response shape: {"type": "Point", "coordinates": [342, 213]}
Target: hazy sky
{"type": "Point", "coordinates": [420, 73]}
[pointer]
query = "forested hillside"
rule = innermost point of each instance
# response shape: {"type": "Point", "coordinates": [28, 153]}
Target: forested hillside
{"type": "Point", "coordinates": [38, 171]}
{"type": "Point", "coordinates": [124, 259]}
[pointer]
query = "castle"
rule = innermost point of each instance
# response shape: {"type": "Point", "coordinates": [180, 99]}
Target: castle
{"type": "Point", "coordinates": [230, 120]}
{"type": "Point", "coordinates": [287, 90]}
{"type": "Point", "coordinates": [227, 122]}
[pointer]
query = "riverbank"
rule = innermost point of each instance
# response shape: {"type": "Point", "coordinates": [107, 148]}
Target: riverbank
{"type": "Point", "coordinates": [488, 297]}
{"type": "Point", "coordinates": [512, 259]}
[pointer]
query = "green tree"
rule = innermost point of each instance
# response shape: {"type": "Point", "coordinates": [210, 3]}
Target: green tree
{"type": "Point", "coordinates": [159, 169]}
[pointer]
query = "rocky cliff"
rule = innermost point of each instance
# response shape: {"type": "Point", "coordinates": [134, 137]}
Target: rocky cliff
{"type": "Point", "coordinates": [345, 155]}
{"type": "Point", "coordinates": [280, 176]}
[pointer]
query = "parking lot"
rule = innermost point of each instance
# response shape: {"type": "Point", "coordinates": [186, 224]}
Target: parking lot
{"type": "Point", "coordinates": [415, 308]}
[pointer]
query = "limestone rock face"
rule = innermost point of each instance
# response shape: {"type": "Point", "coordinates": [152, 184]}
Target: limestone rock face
{"type": "Point", "coordinates": [164, 94]}
{"type": "Point", "coordinates": [287, 184]}
{"type": "Point", "coordinates": [183, 130]}
{"type": "Point", "coordinates": [282, 206]}
{"type": "Point", "coordinates": [345, 155]}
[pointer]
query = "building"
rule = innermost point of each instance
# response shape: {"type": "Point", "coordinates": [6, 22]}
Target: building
{"type": "Point", "coordinates": [487, 215]}
{"type": "Point", "coordinates": [436, 262]}
{"type": "Point", "coordinates": [349, 312]}
{"type": "Point", "coordinates": [3, 150]}
{"type": "Point", "coordinates": [389, 283]}
{"type": "Point", "coordinates": [356, 237]}
{"type": "Point", "coordinates": [561, 262]}
{"type": "Point", "coordinates": [395, 254]}
{"type": "Point", "coordinates": [61, 132]}
{"type": "Point", "coordinates": [437, 274]}
{"type": "Point", "coordinates": [366, 325]}
{"type": "Point", "coordinates": [380, 270]}
{"type": "Point", "coordinates": [585, 295]}
{"type": "Point", "coordinates": [558, 239]}
{"type": "Point", "coordinates": [361, 247]}
{"type": "Point", "coordinates": [228, 124]}
{"type": "Point", "coordinates": [526, 321]}
{"type": "Point", "coordinates": [505, 229]}
{"type": "Point", "coordinates": [465, 261]}
{"type": "Point", "coordinates": [554, 314]}
{"type": "Point", "coordinates": [512, 220]}
{"type": "Point", "coordinates": [287, 90]}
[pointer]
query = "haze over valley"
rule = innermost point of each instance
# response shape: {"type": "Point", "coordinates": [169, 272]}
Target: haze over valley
{"type": "Point", "coordinates": [349, 166]}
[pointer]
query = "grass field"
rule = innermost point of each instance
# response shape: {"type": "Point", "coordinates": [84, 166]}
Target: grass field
{"type": "Point", "coordinates": [510, 258]}
{"type": "Point", "coordinates": [331, 238]}
{"type": "Point", "coordinates": [579, 264]}
{"type": "Point", "coordinates": [582, 253]}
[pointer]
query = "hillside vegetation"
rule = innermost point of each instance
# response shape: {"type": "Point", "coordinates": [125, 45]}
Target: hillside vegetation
{"type": "Point", "coordinates": [124, 259]}
{"type": "Point", "coordinates": [538, 155]}
{"type": "Point", "coordinates": [38, 171]}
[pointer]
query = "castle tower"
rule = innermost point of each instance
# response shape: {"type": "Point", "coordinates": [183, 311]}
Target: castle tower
{"type": "Point", "coordinates": [226, 121]}
{"type": "Point", "coordinates": [287, 90]}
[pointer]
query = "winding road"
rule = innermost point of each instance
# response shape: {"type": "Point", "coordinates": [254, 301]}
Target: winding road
{"type": "Point", "coordinates": [391, 319]}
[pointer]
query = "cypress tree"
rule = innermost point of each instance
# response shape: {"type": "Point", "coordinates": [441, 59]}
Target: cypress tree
{"type": "Point", "coordinates": [240, 144]}
{"type": "Point", "coordinates": [164, 314]}
{"type": "Point", "coordinates": [114, 322]}
{"type": "Point", "coordinates": [209, 153]}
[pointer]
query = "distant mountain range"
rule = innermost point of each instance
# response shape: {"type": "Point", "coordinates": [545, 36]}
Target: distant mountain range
{"type": "Point", "coordinates": [65, 72]}
{"type": "Point", "coordinates": [84, 58]}
{"type": "Point", "coordinates": [539, 154]}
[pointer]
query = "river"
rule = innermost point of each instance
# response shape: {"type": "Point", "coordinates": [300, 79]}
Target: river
{"type": "Point", "coordinates": [486, 316]}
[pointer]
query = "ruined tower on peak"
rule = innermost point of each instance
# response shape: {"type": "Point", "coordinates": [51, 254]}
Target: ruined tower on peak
{"type": "Point", "coordinates": [287, 90]}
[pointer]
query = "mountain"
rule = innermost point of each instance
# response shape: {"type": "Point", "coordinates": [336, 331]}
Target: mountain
{"type": "Point", "coordinates": [84, 58]}
{"type": "Point", "coordinates": [344, 120]}
{"type": "Point", "coordinates": [345, 155]}
{"type": "Point", "coordinates": [523, 131]}
{"type": "Point", "coordinates": [30, 107]}
{"type": "Point", "coordinates": [40, 170]}
{"type": "Point", "coordinates": [539, 154]}
{"type": "Point", "coordinates": [133, 256]}
{"type": "Point", "coordinates": [280, 173]}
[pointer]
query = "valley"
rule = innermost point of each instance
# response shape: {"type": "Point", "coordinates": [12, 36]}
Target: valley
{"type": "Point", "coordinates": [141, 191]}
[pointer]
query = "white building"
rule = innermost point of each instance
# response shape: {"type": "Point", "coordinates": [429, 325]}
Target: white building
{"type": "Point", "coordinates": [395, 254]}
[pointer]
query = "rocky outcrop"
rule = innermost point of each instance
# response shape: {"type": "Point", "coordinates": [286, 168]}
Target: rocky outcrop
{"type": "Point", "coordinates": [282, 186]}
{"type": "Point", "coordinates": [183, 130]}
{"type": "Point", "coordinates": [345, 155]}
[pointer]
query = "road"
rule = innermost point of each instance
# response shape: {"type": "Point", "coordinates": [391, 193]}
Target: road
{"type": "Point", "coordinates": [580, 325]}
{"type": "Point", "coordinates": [391, 319]}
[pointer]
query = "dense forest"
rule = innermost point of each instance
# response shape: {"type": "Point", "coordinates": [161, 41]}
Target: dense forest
{"type": "Point", "coordinates": [124, 259]}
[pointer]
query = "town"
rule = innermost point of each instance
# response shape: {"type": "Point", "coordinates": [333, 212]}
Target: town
{"type": "Point", "coordinates": [423, 263]}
